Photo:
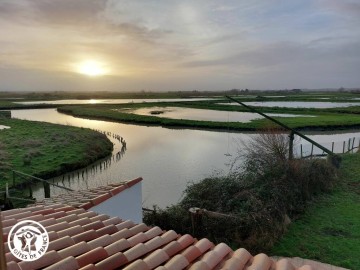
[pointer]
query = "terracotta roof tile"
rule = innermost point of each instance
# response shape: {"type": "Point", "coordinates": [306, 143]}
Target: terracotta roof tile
{"type": "Point", "coordinates": [52, 235]}
{"type": "Point", "coordinates": [57, 226]}
{"type": "Point", "coordinates": [61, 243]}
{"type": "Point", "coordinates": [242, 254]}
{"type": "Point", "coordinates": [81, 221]}
{"type": "Point", "coordinates": [186, 240]}
{"type": "Point", "coordinates": [88, 214]}
{"type": "Point", "coordinates": [172, 248]}
{"type": "Point", "coordinates": [124, 233]}
{"type": "Point", "coordinates": [138, 238]}
{"type": "Point", "coordinates": [37, 217]}
{"type": "Point", "coordinates": [100, 217]}
{"type": "Point", "coordinates": [93, 225]}
{"type": "Point", "coordinates": [85, 236]}
{"type": "Point", "coordinates": [156, 258]}
{"type": "Point", "coordinates": [70, 263]}
{"type": "Point", "coordinates": [55, 215]}
{"type": "Point", "coordinates": [191, 253]}
{"type": "Point", "coordinates": [113, 221]}
{"type": "Point", "coordinates": [90, 267]}
{"type": "Point", "coordinates": [261, 261]}
{"type": "Point", "coordinates": [47, 259]}
{"type": "Point", "coordinates": [71, 231]}
{"type": "Point", "coordinates": [21, 215]}
{"type": "Point", "coordinates": [136, 252]}
{"type": "Point", "coordinates": [177, 262]}
{"type": "Point", "coordinates": [204, 245]}
{"type": "Point", "coordinates": [155, 243]}
{"type": "Point", "coordinates": [85, 199]}
{"type": "Point", "coordinates": [10, 257]}
{"type": "Point", "coordinates": [84, 239]}
{"type": "Point", "coordinates": [48, 222]}
{"type": "Point", "coordinates": [284, 264]}
{"type": "Point", "coordinates": [68, 218]}
{"type": "Point", "coordinates": [44, 211]}
{"type": "Point", "coordinates": [102, 241]}
{"type": "Point", "coordinates": [117, 246]}
{"type": "Point", "coordinates": [137, 265]}
{"type": "Point", "coordinates": [138, 228]}
{"type": "Point", "coordinates": [169, 236]}
{"type": "Point", "coordinates": [153, 232]}
{"type": "Point", "coordinates": [12, 266]}
{"type": "Point", "coordinates": [213, 258]}
{"type": "Point", "coordinates": [74, 250]}
{"type": "Point", "coordinates": [112, 262]}
{"type": "Point", "coordinates": [9, 222]}
{"type": "Point", "coordinates": [202, 266]}
{"type": "Point", "coordinates": [93, 256]}
{"type": "Point", "coordinates": [125, 224]}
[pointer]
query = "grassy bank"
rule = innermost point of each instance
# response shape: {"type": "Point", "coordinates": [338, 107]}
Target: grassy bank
{"type": "Point", "coordinates": [46, 150]}
{"type": "Point", "coordinates": [330, 229]}
{"type": "Point", "coordinates": [324, 119]}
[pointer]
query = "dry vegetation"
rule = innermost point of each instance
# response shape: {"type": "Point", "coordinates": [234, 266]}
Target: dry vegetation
{"type": "Point", "coordinates": [258, 198]}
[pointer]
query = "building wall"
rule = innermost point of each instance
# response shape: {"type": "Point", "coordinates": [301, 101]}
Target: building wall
{"type": "Point", "coordinates": [126, 205]}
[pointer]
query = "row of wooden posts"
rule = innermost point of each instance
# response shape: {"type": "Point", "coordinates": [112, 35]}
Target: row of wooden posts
{"type": "Point", "coordinates": [347, 146]}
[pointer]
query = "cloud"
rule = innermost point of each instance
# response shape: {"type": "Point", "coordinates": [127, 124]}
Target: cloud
{"type": "Point", "coordinates": [181, 42]}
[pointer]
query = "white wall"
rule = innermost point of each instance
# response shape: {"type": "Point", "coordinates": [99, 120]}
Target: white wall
{"type": "Point", "coordinates": [125, 205]}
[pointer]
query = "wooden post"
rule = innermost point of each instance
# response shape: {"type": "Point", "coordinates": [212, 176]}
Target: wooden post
{"type": "Point", "coordinates": [332, 147]}
{"type": "Point", "coordinates": [30, 190]}
{"type": "Point", "coordinates": [344, 147]}
{"type": "Point", "coordinates": [2, 248]}
{"type": "Point", "coordinates": [196, 220]}
{"type": "Point", "coordinates": [291, 145]}
{"type": "Point", "coordinates": [301, 151]}
{"type": "Point", "coordinates": [353, 142]}
{"type": "Point", "coordinates": [13, 179]}
{"type": "Point", "coordinates": [312, 150]}
{"type": "Point", "coordinates": [46, 189]}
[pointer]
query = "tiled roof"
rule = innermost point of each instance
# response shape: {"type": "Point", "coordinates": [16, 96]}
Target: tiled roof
{"type": "Point", "coordinates": [90, 197]}
{"type": "Point", "coordinates": [83, 239]}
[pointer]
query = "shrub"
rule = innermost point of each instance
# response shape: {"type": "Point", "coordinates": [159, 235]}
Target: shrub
{"type": "Point", "coordinates": [255, 200]}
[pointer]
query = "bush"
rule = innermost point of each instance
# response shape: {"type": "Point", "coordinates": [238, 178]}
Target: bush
{"type": "Point", "coordinates": [255, 200]}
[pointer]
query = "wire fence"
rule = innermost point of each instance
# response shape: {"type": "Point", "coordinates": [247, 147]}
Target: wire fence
{"type": "Point", "coordinates": [351, 145]}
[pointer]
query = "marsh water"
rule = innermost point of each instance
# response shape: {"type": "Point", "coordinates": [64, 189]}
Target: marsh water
{"type": "Point", "coordinates": [298, 104]}
{"type": "Point", "coordinates": [167, 159]}
{"type": "Point", "coordinates": [204, 115]}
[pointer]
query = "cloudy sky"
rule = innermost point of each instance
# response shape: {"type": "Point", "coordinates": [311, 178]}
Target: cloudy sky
{"type": "Point", "coordinates": [166, 45]}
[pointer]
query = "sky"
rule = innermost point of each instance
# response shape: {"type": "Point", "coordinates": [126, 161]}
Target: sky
{"type": "Point", "coordinates": [178, 45]}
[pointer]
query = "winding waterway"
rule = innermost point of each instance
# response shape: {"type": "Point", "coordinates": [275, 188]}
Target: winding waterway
{"type": "Point", "coordinates": [167, 159]}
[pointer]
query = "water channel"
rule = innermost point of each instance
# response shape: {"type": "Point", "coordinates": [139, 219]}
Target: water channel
{"type": "Point", "coordinates": [167, 159]}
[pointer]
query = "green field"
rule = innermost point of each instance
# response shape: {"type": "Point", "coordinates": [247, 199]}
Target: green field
{"type": "Point", "coordinates": [329, 231]}
{"type": "Point", "coordinates": [46, 150]}
{"type": "Point", "coordinates": [324, 119]}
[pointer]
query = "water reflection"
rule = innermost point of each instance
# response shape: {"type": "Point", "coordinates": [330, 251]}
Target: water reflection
{"type": "Point", "coordinates": [203, 114]}
{"type": "Point", "coordinates": [297, 104]}
{"type": "Point", "coordinates": [167, 159]}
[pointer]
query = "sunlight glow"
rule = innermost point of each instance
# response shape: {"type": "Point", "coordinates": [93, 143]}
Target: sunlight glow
{"type": "Point", "coordinates": [92, 68]}
{"type": "Point", "coordinates": [94, 101]}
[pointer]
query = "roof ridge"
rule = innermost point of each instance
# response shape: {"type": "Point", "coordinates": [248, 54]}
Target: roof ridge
{"type": "Point", "coordinates": [88, 198]}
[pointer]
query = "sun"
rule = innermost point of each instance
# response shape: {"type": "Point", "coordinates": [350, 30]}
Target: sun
{"type": "Point", "coordinates": [92, 68]}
